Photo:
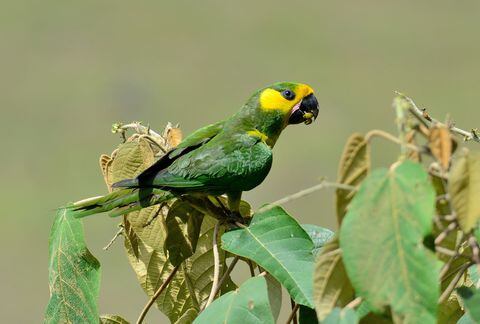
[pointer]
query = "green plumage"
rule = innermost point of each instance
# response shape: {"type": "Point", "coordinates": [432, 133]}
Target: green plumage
{"type": "Point", "coordinates": [229, 157]}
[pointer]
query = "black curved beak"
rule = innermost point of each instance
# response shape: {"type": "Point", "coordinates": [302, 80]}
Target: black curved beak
{"type": "Point", "coordinates": [307, 112]}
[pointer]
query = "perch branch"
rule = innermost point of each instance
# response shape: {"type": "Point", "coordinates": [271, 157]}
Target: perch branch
{"type": "Point", "coordinates": [425, 118]}
{"type": "Point", "coordinates": [157, 293]}
{"type": "Point", "coordinates": [216, 268]}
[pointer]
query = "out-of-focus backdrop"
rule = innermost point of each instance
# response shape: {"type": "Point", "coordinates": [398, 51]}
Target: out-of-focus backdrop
{"type": "Point", "coordinates": [68, 70]}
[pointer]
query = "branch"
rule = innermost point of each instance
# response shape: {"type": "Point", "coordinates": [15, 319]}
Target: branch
{"type": "Point", "coordinates": [454, 282]}
{"type": "Point", "coordinates": [445, 233]}
{"type": "Point", "coordinates": [136, 126]}
{"type": "Point", "coordinates": [424, 117]}
{"type": "Point", "coordinates": [354, 303]}
{"type": "Point", "coordinates": [120, 232]}
{"type": "Point", "coordinates": [475, 251]}
{"type": "Point", "coordinates": [293, 314]}
{"type": "Point", "coordinates": [379, 133]}
{"type": "Point", "coordinates": [226, 274]}
{"type": "Point", "coordinates": [216, 268]}
{"type": "Point", "coordinates": [157, 293]}
{"type": "Point", "coordinates": [306, 192]}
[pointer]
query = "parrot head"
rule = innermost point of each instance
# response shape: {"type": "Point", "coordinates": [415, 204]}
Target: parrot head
{"type": "Point", "coordinates": [295, 101]}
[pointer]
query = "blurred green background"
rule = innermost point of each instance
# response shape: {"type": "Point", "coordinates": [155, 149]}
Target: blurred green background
{"type": "Point", "coordinates": [68, 70]}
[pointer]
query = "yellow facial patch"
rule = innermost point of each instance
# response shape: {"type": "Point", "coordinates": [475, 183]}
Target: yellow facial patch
{"type": "Point", "coordinates": [271, 99]}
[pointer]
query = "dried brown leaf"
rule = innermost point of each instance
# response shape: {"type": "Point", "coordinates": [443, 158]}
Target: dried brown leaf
{"type": "Point", "coordinates": [354, 167]}
{"type": "Point", "coordinates": [440, 144]}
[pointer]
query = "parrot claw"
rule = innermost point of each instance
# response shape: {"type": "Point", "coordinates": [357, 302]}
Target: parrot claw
{"type": "Point", "coordinates": [233, 219]}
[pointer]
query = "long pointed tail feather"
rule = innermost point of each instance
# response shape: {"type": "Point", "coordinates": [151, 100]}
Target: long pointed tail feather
{"type": "Point", "coordinates": [120, 202]}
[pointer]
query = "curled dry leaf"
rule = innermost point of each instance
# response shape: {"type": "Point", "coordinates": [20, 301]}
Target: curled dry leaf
{"type": "Point", "coordinates": [440, 144]}
{"type": "Point", "coordinates": [105, 164]}
{"type": "Point", "coordinates": [354, 167]}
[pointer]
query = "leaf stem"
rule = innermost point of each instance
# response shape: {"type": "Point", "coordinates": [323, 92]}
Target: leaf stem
{"type": "Point", "coordinates": [120, 232]}
{"type": "Point", "coordinates": [354, 303]}
{"type": "Point", "coordinates": [157, 293]}
{"type": "Point", "coordinates": [216, 266]}
{"type": "Point", "coordinates": [293, 314]}
{"type": "Point", "coordinates": [446, 293]}
{"type": "Point", "coordinates": [226, 274]}
{"type": "Point", "coordinates": [389, 137]}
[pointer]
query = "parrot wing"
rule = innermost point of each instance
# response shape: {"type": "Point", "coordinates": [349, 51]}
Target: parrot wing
{"type": "Point", "coordinates": [190, 143]}
{"type": "Point", "coordinates": [237, 164]}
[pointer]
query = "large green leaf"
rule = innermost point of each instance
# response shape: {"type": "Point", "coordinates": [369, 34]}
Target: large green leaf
{"type": "Point", "coordinates": [183, 228]}
{"type": "Point", "coordinates": [354, 167]}
{"type": "Point", "coordinates": [189, 289]}
{"type": "Point", "coordinates": [319, 236]}
{"type": "Point", "coordinates": [381, 240]}
{"type": "Point", "coordinates": [74, 274]}
{"type": "Point", "coordinates": [276, 242]}
{"type": "Point", "coordinates": [471, 300]}
{"type": "Point", "coordinates": [247, 304]}
{"type": "Point", "coordinates": [331, 286]}
{"type": "Point", "coordinates": [341, 316]}
{"type": "Point", "coordinates": [464, 189]}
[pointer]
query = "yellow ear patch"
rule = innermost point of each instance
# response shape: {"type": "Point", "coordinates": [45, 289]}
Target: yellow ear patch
{"type": "Point", "coordinates": [271, 99]}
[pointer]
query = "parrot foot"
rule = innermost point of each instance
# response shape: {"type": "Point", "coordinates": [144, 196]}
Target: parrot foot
{"type": "Point", "coordinates": [233, 219]}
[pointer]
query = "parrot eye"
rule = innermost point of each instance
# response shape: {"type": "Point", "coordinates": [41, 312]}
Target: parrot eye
{"type": "Point", "coordinates": [289, 95]}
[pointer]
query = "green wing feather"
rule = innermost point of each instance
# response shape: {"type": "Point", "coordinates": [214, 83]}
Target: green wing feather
{"type": "Point", "coordinates": [227, 163]}
{"type": "Point", "coordinates": [198, 137]}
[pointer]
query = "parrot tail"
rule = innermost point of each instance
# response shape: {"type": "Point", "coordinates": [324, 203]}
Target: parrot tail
{"type": "Point", "coordinates": [120, 202]}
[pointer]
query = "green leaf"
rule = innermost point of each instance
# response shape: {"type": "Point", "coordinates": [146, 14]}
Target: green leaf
{"type": "Point", "coordinates": [331, 285]}
{"type": "Point", "coordinates": [183, 228]}
{"type": "Point", "coordinates": [247, 304]}
{"type": "Point", "coordinates": [464, 189]}
{"type": "Point", "coordinates": [276, 242]}
{"type": "Point", "coordinates": [474, 275]}
{"type": "Point", "coordinates": [191, 285]}
{"type": "Point", "coordinates": [354, 167]}
{"type": "Point", "coordinates": [319, 236]}
{"type": "Point", "coordinates": [74, 274]}
{"type": "Point", "coordinates": [381, 240]}
{"type": "Point", "coordinates": [341, 316]}
{"type": "Point", "coordinates": [466, 319]}
{"type": "Point", "coordinates": [112, 319]}
{"type": "Point", "coordinates": [471, 300]}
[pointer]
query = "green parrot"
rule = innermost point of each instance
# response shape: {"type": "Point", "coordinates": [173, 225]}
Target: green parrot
{"type": "Point", "coordinates": [227, 157]}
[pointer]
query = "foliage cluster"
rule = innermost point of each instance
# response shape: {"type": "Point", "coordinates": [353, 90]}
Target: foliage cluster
{"type": "Point", "coordinates": [406, 251]}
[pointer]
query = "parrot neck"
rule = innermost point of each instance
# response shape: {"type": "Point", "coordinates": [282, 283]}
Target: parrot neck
{"type": "Point", "coordinates": [266, 125]}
